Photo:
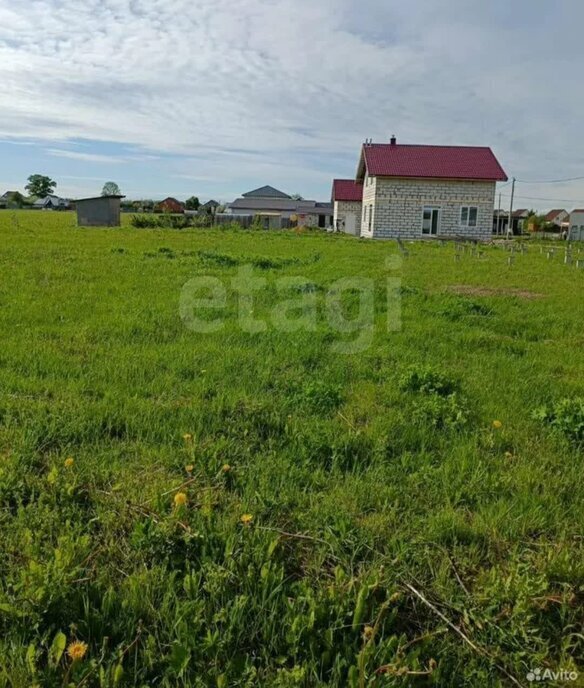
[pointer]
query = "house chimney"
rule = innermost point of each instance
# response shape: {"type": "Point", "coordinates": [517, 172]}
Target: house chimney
{"type": "Point", "coordinates": [393, 140]}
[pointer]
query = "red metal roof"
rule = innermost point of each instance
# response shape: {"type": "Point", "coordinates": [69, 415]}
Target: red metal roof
{"type": "Point", "coordinates": [553, 214]}
{"type": "Point", "coordinates": [444, 162]}
{"type": "Point", "coordinates": [347, 190]}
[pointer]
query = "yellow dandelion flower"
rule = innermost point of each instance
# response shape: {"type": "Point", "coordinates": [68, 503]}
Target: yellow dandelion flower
{"type": "Point", "coordinates": [180, 499]}
{"type": "Point", "coordinates": [77, 650]}
{"type": "Point", "coordinates": [246, 519]}
{"type": "Point", "coordinates": [497, 424]}
{"type": "Point", "coordinates": [68, 463]}
{"type": "Point", "coordinates": [187, 437]}
{"type": "Point", "coordinates": [226, 468]}
{"type": "Point", "coordinates": [368, 632]}
{"type": "Point", "coordinates": [190, 468]}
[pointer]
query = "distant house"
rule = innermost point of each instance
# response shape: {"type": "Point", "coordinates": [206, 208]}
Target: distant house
{"type": "Point", "coordinates": [277, 210]}
{"type": "Point", "coordinates": [419, 191]}
{"type": "Point", "coordinates": [576, 232]}
{"type": "Point", "coordinates": [51, 203]}
{"type": "Point", "coordinates": [557, 217]}
{"type": "Point", "coordinates": [7, 199]}
{"type": "Point", "coordinates": [501, 221]}
{"type": "Point", "coordinates": [170, 205]}
{"type": "Point", "coordinates": [209, 208]}
{"type": "Point", "coordinates": [347, 198]}
{"type": "Point", "coordinates": [519, 217]}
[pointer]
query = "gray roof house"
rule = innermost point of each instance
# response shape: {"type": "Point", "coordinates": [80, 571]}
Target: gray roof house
{"type": "Point", "coordinates": [6, 200]}
{"type": "Point", "coordinates": [209, 207]}
{"type": "Point", "coordinates": [51, 203]}
{"type": "Point", "coordinates": [278, 210]}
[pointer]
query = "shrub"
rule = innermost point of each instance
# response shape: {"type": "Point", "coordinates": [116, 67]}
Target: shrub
{"type": "Point", "coordinates": [427, 380]}
{"type": "Point", "coordinates": [144, 221]}
{"type": "Point", "coordinates": [440, 412]}
{"type": "Point", "coordinates": [566, 416]}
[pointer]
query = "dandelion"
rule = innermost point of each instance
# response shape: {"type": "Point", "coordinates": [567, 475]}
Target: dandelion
{"type": "Point", "coordinates": [180, 499]}
{"type": "Point", "coordinates": [190, 468]}
{"type": "Point", "coordinates": [77, 650]}
{"type": "Point", "coordinates": [69, 462]}
{"type": "Point", "coordinates": [246, 519]}
{"type": "Point", "coordinates": [187, 437]}
{"type": "Point", "coordinates": [497, 424]}
{"type": "Point", "coordinates": [226, 468]}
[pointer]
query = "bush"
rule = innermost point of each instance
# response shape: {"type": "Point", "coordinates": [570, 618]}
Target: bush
{"type": "Point", "coordinates": [566, 416]}
{"type": "Point", "coordinates": [144, 221]}
{"type": "Point", "coordinates": [427, 380]}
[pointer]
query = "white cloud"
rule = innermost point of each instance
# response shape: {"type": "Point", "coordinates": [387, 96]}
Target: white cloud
{"type": "Point", "coordinates": [290, 89]}
{"type": "Point", "coordinates": [87, 157]}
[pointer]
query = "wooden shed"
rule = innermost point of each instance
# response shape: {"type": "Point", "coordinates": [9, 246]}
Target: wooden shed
{"type": "Point", "coordinates": [101, 211]}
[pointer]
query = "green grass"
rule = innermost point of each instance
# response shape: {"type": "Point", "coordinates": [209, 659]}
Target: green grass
{"type": "Point", "coordinates": [364, 473]}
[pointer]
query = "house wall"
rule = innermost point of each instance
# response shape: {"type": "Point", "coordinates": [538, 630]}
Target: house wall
{"type": "Point", "coordinates": [99, 212]}
{"type": "Point", "coordinates": [577, 226]}
{"type": "Point", "coordinates": [398, 206]}
{"type": "Point", "coordinates": [344, 208]}
{"type": "Point", "coordinates": [368, 206]}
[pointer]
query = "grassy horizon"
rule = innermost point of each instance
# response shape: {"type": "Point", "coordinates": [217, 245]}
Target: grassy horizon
{"type": "Point", "coordinates": [320, 489]}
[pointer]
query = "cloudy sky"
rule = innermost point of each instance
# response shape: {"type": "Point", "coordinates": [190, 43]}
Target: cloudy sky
{"type": "Point", "coordinates": [214, 97]}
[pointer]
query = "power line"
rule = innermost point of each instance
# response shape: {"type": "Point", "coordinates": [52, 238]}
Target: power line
{"type": "Point", "coordinates": [539, 198]}
{"type": "Point", "coordinates": [551, 181]}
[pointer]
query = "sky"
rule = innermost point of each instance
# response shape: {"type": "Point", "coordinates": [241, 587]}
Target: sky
{"type": "Point", "coordinates": [216, 97]}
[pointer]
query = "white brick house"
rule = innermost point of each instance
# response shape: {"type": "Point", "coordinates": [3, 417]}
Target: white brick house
{"type": "Point", "coordinates": [414, 192]}
{"type": "Point", "coordinates": [347, 198]}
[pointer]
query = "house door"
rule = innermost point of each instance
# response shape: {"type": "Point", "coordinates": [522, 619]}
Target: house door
{"type": "Point", "coordinates": [350, 221]}
{"type": "Point", "coordinates": [430, 220]}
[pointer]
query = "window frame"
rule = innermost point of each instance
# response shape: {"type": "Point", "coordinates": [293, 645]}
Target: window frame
{"type": "Point", "coordinates": [432, 208]}
{"type": "Point", "coordinates": [467, 221]}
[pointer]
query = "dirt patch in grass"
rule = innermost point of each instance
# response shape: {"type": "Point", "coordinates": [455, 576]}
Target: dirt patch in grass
{"type": "Point", "coordinates": [470, 290]}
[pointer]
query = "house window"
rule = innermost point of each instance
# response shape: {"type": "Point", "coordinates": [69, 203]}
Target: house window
{"type": "Point", "coordinates": [430, 220]}
{"type": "Point", "coordinates": [468, 216]}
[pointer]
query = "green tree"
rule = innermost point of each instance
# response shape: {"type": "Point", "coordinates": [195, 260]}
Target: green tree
{"type": "Point", "coordinates": [40, 185]}
{"type": "Point", "coordinates": [111, 189]}
{"type": "Point", "coordinates": [192, 203]}
{"type": "Point", "coordinates": [18, 199]}
{"type": "Point", "coordinates": [296, 197]}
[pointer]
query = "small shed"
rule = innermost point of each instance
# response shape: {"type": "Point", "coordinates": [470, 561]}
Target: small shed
{"type": "Point", "coordinates": [101, 211]}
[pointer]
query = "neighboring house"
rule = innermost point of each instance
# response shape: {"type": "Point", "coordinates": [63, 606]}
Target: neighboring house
{"type": "Point", "coordinates": [51, 203]}
{"type": "Point", "coordinates": [501, 221]}
{"type": "Point", "coordinates": [7, 199]}
{"type": "Point", "coordinates": [557, 217]}
{"type": "Point", "coordinates": [519, 217]}
{"type": "Point", "coordinates": [347, 198]}
{"type": "Point", "coordinates": [170, 205]}
{"type": "Point", "coordinates": [209, 208]}
{"type": "Point", "coordinates": [576, 225]}
{"type": "Point", "coordinates": [277, 210]}
{"type": "Point", "coordinates": [417, 191]}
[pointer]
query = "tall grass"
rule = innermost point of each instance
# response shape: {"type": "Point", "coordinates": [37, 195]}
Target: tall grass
{"type": "Point", "coordinates": [363, 473]}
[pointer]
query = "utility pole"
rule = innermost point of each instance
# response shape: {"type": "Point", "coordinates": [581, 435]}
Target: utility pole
{"type": "Point", "coordinates": [510, 227]}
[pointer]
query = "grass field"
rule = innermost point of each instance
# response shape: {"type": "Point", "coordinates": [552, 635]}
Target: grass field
{"type": "Point", "coordinates": [131, 447]}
